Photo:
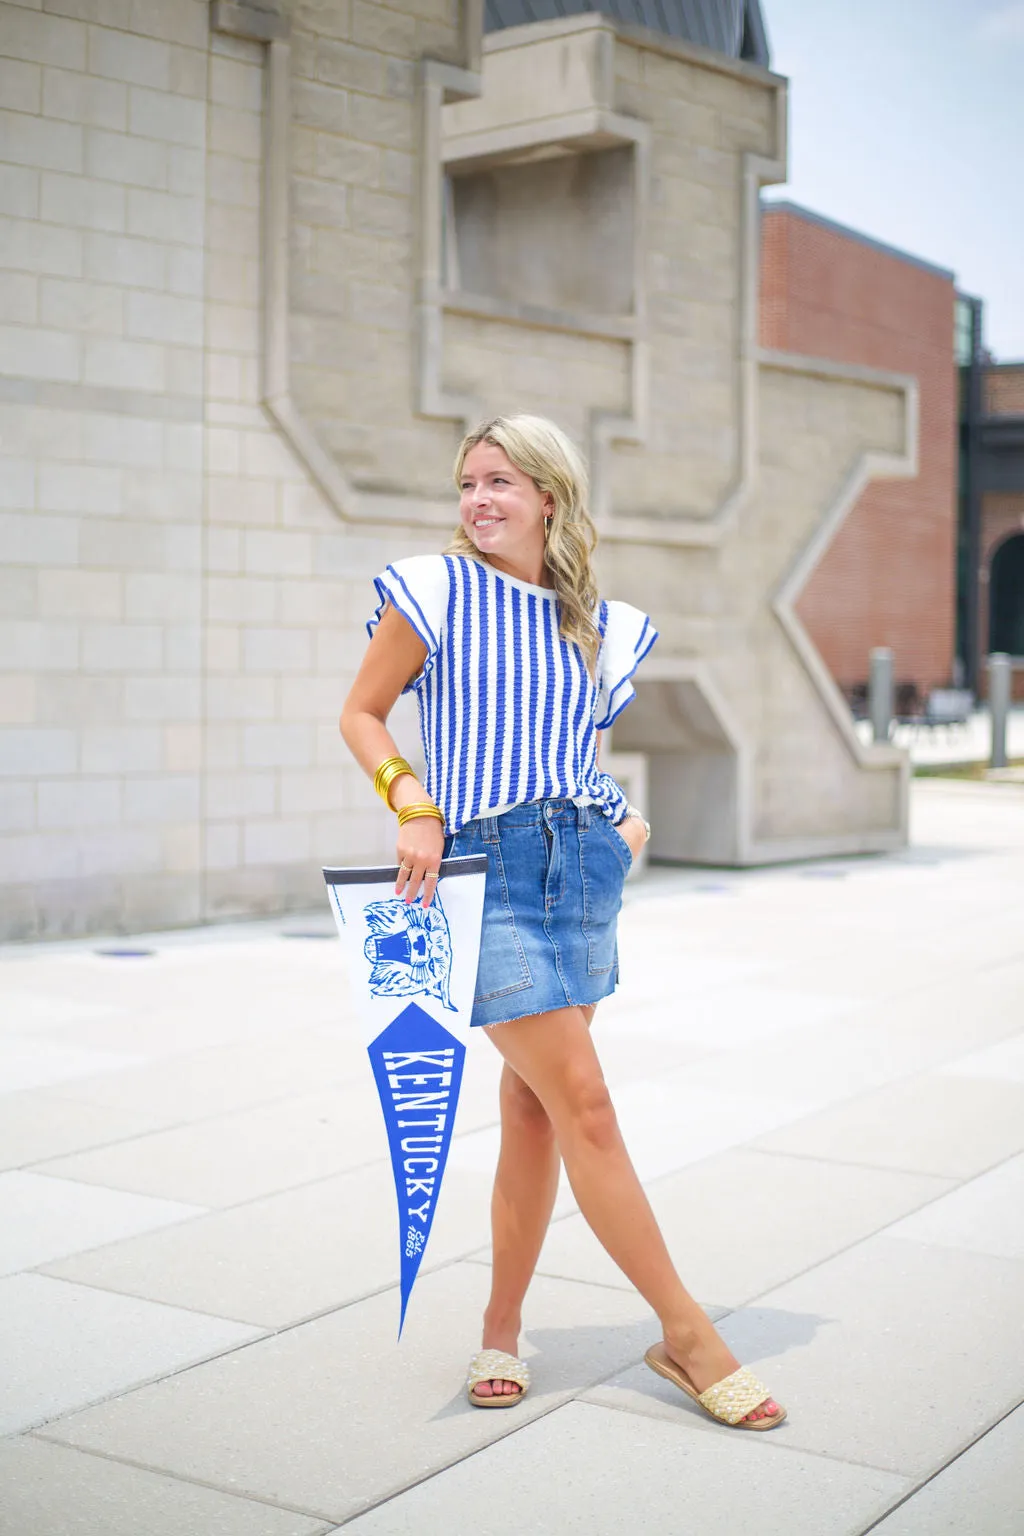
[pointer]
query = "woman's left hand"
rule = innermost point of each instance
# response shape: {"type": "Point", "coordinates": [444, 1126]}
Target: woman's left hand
{"type": "Point", "coordinates": [633, 833]}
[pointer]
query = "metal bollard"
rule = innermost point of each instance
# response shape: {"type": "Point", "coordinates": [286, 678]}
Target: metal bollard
{"type": "Point", "coordinates": [880, 693]}
{"type": "Point", "coordinates": [999, 677]}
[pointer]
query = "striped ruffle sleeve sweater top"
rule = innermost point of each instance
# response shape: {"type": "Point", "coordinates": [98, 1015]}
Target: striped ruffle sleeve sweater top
{"type": "Point", "coordinates": [508, 710]}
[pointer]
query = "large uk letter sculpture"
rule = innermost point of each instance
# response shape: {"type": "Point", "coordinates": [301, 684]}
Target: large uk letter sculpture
{"type": "Point", "coordinates": [413, 973]}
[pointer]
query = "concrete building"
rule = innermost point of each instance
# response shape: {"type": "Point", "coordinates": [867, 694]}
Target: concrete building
{"type": "Point", "coordinates": [889, 576]}
{"type": "Point", "coordinates": [258, 272]}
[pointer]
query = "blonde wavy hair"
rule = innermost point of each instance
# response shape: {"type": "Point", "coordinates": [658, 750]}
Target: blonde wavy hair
{"type": "Point", "coordinates": [541, 450]}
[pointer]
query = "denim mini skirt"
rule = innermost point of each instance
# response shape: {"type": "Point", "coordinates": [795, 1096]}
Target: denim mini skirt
{"type": "Point", "coordinates": [555, 872]}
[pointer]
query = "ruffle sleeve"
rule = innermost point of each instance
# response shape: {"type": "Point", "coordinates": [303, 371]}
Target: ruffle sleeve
{"type": "Point", "coordinates": [418, 588]}
{"type": "Point", "coordinates": [628, 636]}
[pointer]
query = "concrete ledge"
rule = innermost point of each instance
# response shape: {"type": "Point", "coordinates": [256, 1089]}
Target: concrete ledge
{"type": "Point", "coordinates": [260, 21]}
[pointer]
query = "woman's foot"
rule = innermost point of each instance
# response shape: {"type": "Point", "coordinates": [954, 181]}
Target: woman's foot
{"type": "Point", "coordinates": [706, 1358]}
{"type": "Point", "coordinates": [504, 1337]}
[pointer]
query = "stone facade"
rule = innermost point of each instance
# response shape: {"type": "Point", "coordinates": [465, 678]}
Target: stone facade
{"type": "Point", "coordinates": [235, 360]}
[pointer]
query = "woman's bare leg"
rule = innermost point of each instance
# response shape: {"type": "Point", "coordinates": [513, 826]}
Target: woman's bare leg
{"type": "Point", "coordinates": [554, 1055]}
{"type": "Point", "coordinates": [525, 1188]}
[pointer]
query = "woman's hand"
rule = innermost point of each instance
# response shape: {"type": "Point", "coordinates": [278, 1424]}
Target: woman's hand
{"type": "Point", "coordinates": [420, 849]}
{"type": "Point", "coordinates": [633, 833]}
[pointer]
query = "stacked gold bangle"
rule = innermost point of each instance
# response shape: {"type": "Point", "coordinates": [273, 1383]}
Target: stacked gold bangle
{"type": "Point", "coordinates": [424, 808]}
{"type": "Point", "coordinates": [391, 768]}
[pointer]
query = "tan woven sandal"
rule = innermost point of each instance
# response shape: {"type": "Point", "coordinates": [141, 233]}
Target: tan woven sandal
{"type": "Point", "coordinates": [495, 1365]}
{"type": "Point", "coordinates": [729, 1400]}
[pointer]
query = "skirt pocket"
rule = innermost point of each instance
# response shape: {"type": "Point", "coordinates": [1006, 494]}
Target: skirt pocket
{"type": "Point", "coordinates": [503, 966]}
{"type": "Point", "coordinates": [605, 866]}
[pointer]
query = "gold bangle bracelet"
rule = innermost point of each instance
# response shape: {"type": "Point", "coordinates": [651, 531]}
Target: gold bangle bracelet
{"type": "Point", "coordinates": [391, 768]}
{"type": "Point", "coordinates": [413, 812]}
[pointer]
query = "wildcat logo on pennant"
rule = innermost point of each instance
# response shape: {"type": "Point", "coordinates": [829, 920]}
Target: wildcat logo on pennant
{"type": "Point", "coordinates": [409, 949]}
{"type": "Point", "coordinates": [413, 974]}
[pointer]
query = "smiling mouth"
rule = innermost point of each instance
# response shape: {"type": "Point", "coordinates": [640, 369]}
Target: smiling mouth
{"type": "Point", "coordinates": [487, 522]}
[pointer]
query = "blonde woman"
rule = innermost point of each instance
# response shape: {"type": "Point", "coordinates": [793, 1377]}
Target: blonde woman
{"type": "Point", "coordinates": [517, 665]}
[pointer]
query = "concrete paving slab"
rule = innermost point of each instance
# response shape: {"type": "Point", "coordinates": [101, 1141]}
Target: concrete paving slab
{"type": "Point", "coordinates": [333, 1416]}
{"type": "Point", "coordinates": [51, 1490]}
{"type": "Point", "coordinates": [643, 933]}
{"type": "Point", "coordinates": [986, 1215]}
{"type": "Point", "coordinates": [38, 1124]}
{"type": "Point", "coordinates": [230, 1159]}
{"type": "Point", "coordinates": [893, 1354]}
{"type": "Point", "coordinates": [176, 1029]}
{"type": "Point", "coordinates": [879, 1044]}
{"type": "Point", "coordinates": [66, 1345]}
{"type": "Point", "coordinates": [879, 972]}
{"type": "Point", "coordinates": [981, 1491]}
{"type": "Point", "coordinates": [734, 1017]}
{"type": "Point", "coordinates": [743, 1222]}
{"type": "Point", "coordinates": [288, 1256]}
{"type": "Point", "coordinates": [668, 1123]}
{"type": "Point", "coordinates": [224, 1078]}
{"type": "Point", "coordinates": [586, 1469]}
{"type": "Point", "coordinates": [950, 1126]}
{"type": "Point", "coordinates": [218, 998]}
{"type": "Point", "coordinates": [1004, 1061]}
{"type": "Point", "coordinates": [43, 1219]}
{"type": "Point", "coordinates": [627, 1052]}
{"type": "Point", "coordinates": [25, 1011]}
{"type": "Point", "coordinates": [244, 980]}
{"type": "Point", "coordinates": [27, 1062]}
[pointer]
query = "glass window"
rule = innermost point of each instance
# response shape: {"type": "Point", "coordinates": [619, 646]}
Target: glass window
{"type": "Point", "coordinates": [963, 330]}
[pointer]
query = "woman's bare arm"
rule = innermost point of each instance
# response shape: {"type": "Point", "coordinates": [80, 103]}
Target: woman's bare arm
{"type": "Point", "coordinates": [394, 656]}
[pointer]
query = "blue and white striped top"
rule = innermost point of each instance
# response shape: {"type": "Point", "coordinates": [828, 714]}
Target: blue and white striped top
{"type": "Point", "coordinates": [508, 710]}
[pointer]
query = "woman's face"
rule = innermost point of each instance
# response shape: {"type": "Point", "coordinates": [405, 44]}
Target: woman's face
{"type": "Point", "coordinates": [503, 512]}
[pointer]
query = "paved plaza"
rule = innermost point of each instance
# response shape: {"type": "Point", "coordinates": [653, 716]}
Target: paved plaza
{"type": "Point", "coordinates": [820, 1072]}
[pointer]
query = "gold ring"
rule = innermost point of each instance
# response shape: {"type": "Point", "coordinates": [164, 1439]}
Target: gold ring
{"type": "Point", "coordinates": [404, 865]}
{"type": "Point", "coordinates": [432, 874]}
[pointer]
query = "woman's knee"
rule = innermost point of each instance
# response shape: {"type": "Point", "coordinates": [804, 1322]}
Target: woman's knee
{"type": "Point", "coordinates": [590, 1111]}
{"type": "Point", "coordinates": [521, 1106]}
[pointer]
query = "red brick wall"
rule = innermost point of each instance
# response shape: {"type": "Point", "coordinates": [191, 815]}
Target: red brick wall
{"type": "Point", "coordinates": [888, 578]}
{"type": "Point", "coordinates": [1004, 390]}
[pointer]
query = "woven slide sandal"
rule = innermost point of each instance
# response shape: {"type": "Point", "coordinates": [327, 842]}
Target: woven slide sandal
{"type": "Point", "coordinates": [495, 1365]}
{"type": "Point", "coordinates": [729, 1400]}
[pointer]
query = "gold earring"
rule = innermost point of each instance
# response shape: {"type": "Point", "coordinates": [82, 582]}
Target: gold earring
{"type": "Point", "coordinates": [547, 529]}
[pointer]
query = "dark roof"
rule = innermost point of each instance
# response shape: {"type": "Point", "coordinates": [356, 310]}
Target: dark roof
{"type": "Point", "coordinates": [733, 27]}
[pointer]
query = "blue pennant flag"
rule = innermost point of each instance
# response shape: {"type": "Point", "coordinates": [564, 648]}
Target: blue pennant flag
{"type": "Point", "coordinates": [413, 976]}
{"type": "Point", "coordinates": [418, 1068]}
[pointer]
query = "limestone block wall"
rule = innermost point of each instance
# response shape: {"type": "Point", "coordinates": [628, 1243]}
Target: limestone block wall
{"type": "Point", "coordinates": [354, 149]}
{"type": "Point", "coordinates": [181, 609]}
{"type": "Point", "coordinates": [103, 211]}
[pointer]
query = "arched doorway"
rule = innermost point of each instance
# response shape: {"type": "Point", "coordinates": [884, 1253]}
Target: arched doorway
{"type": "Point", "coordinates": [1006, 597]}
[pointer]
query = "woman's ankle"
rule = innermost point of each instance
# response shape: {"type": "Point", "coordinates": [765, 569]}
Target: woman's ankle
{"type": "Point", "coordinates": [502, 1320]}
{"type": "Point", "coordinates": [687, 1336]}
